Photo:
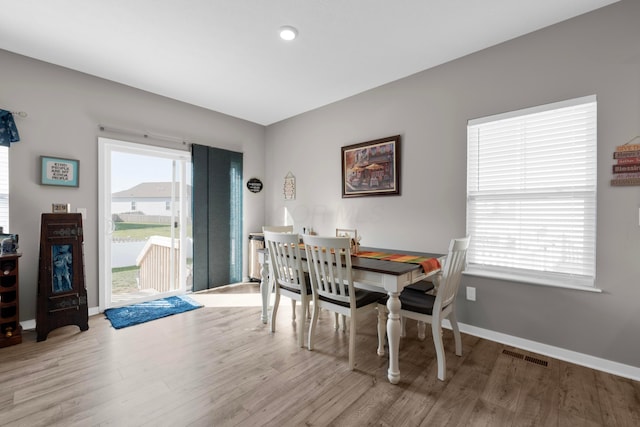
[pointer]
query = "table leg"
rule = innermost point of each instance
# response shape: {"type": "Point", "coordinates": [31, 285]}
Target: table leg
{"type": "Point", "coordinates": [265, 290]}
{"type": "Point", "coordinates": [382, 330]}
{"type": "Point", "coordinates": [393, 335]}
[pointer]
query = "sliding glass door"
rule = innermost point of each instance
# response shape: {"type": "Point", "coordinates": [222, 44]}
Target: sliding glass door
{"type": "Point", "coordinates": [145, 222]}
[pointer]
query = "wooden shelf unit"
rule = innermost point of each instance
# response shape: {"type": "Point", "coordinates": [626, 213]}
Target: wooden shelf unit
{"type": "Point", "coordinates": [10, 328]}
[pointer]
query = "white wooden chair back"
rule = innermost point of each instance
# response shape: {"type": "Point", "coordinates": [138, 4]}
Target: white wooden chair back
{"type": "Point", "coordinates": [329, 260]}
{"type": "Point", "coordinates": [285, 261]}
{"type": "Point", "coordinates": [278, 228]}
{"type": "Point", "coordinates": [449, 281]}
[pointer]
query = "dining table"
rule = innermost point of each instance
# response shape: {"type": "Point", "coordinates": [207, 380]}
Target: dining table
{"type": "Point", "coordinates": [372, 274]}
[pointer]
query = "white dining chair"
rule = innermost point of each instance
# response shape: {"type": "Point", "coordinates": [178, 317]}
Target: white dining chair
{"type": "Point", "coordinates": [432, 308]}
{"type": "Point", "coordinates": [425, 286]}
{"type": "Point", "coordinates": [278, 228]}
{"type": "Point", "coordinates": [329, 263]}
{"type": "Point", "coordinates": [285, 266]}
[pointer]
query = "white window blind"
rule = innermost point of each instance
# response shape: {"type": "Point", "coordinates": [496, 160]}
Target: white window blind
{"type": "Point", "coordinates": [4, 188]}
{"type": "Point", "coordinates": [531, 194]}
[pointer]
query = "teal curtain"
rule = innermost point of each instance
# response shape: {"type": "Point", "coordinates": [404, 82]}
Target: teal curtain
{"type": "Point", "coordinates": [217, 217]}
{"type": "Point", "coordinates": [8, 129]}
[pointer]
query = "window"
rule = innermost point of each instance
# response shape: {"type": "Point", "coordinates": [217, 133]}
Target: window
{"type": "Point", "coordinates": [167, 205]}
{"type": "Point", "coordinates": [531, 194]}
{"type": "Point", "coordinates": [133, 206]}
{"type": "Point", "coordinates": [4, 188]}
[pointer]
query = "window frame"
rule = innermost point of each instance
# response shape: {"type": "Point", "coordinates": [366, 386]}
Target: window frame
{"type": "Point", "coordinates": [476, 193]}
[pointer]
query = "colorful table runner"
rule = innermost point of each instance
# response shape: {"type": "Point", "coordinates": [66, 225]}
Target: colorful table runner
{"type": "Point", "coordinates": [428, 264]}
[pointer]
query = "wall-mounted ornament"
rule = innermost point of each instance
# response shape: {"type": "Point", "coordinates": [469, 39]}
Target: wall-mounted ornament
{"type": "Point", "coordinates": [289, 187]}
{"type": "Point", "coordinates": [626, 171]}
{"type": "Point", "coordinates": [254, 185]}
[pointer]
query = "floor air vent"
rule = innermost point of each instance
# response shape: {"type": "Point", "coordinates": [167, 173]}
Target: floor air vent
{"type": "Point", "coordinates": [536, 361]}
{"type": "Point", "coordinates": [525, 358]}
{"type": "Point", "coordinates": [513, 354]}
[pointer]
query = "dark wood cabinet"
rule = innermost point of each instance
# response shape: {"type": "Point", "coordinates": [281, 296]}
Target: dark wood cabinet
{"type": "Point", "coordinates": [10, 329]}
{"type": "Point", "coordinates": [62, 295]}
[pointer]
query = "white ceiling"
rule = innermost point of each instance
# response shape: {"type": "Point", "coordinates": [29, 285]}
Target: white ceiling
{"type": "Point", "coordinates": [225, 55]}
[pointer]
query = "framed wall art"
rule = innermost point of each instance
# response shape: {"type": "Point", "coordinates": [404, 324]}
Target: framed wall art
{"type": "Point", "coordinates": [57, 171]}
{"type": "Point", "coordinates": [371, 168]}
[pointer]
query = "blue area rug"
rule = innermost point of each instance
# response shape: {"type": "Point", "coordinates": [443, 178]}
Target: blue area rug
{"type": "Point", "coordinates": [130, 315]}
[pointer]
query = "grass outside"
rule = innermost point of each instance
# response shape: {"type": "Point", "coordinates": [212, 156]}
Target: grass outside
{"type": "Point", "coordinates": [141, 231]}
{"type": "Point", "coordinates": [124, 280]}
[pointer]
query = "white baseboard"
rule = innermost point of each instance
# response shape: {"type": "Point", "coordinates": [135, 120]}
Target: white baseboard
{"type": "Point", "coordinates": [604, 365]}
{"type": "Point", "coordinates": [31, 323]}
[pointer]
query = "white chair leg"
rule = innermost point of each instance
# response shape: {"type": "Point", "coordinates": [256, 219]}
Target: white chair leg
{"type": "Point", "coordinates": [274, 311]}
{"type": "Point", "coordinates": [303, 317]}
{"type": "Point", "coordinates": [436, 331]}
{"type": "Point", "coordinates": [312, 326]}
{"type": "Point", "coordinates": [421, 330]}
{"type": "Point", "coordinates": [336, 321]}
{"type": "Point", "coordinates": [344, 322]}
{"type": "Point", "coordinates": [352, 342]}
{"type": "Point", "coordinates": [382, 328]}
{"type": "Point", "coordinates": [293, 310]}
{"type": "Point", "coordinates": [456, 333]}
{"type": "Point", "coordinates": [403, 327]}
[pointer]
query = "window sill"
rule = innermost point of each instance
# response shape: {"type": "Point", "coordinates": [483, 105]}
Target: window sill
{"type": "Point", "coordinates": [512, 277]}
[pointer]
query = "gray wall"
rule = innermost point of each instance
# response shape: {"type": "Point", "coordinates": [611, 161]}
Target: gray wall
{"type": "Point", "coordinates": [597, 53]}
{"type": "Point", "coordinates": [65, 108]}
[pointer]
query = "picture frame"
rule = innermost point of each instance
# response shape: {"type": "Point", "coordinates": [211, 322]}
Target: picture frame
{"type": "Point", "coordinates": [352, 234]}
{"type": "Point", "coordinates": [59, 171]}
{"type": "Point", "coordinates": [371, 168]}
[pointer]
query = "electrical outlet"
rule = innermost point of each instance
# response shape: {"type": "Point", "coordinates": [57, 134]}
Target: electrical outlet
{"type": "Point", "coordinates": [471, 293]}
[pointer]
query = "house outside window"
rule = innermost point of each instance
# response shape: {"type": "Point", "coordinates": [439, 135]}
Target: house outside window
{"type": "Point", "coordinates": [531, 194]}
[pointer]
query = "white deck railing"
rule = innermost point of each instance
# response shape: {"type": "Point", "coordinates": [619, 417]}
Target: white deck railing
{"type": "Point", "coordinates": [155, 263]}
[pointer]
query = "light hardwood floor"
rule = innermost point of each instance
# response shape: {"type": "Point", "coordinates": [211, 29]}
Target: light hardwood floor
{"type": "Point", "coordinates": [219, 366]}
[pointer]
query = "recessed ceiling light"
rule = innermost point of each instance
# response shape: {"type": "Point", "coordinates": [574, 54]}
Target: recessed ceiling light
{"type": "Point", "coordinates": [288, 33]}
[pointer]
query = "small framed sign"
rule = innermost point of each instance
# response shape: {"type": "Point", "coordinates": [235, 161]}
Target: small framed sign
{"type": "Point", "coordinates": [57, 171]}
{"type": "Point", "coordinates": [254, 185]}
{"type": "Point", "coordinates": [60, 208]}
